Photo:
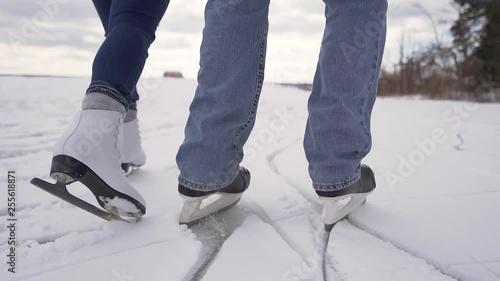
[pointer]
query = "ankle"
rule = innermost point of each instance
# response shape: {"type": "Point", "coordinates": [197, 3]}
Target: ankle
{"type": "Point", "coordinates": [131, 115]}
{"type": "Point", "coordinates": [102, 102]}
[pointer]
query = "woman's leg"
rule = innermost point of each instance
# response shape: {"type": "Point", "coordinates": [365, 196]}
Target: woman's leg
{"type": "Point", "coordinates": [103, 8]}
{"type": "Point", "coordinates": [91, 149]}
{"type": "Point", "coordinates": [130, 30]}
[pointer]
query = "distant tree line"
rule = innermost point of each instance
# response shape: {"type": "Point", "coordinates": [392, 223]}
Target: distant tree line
{"type": "Point", "coordinates": [467, 68]}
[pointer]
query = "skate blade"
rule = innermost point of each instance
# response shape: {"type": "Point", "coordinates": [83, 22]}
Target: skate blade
{"type": "Point", "coordinates": [129, 217]}
{"type": "Point", "coordinates": [129, 168]}
{"type": "Point", "coordinates": [334, 211]}
{"type": "Point", "coordinates": [59, 190]}
{"type": "Point", "coordinates": [119, 209]}
{"type": "Point", "coordinates": [193, 212]}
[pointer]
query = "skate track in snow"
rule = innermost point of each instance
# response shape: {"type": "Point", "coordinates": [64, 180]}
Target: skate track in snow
{"type": "Point", "coordinates": [275, 232]}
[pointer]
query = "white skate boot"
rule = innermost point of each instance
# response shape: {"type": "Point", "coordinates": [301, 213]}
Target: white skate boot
{"type": "Point", "coordinates": [131, 149]}
{"type": "Point", "coordinates": [89, 153]}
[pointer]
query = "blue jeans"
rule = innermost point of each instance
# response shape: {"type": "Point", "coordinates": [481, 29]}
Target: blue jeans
{"type": "Point", "coordinates": [130, 27]}
{"type": "Point", "coordinates": [230, 79]}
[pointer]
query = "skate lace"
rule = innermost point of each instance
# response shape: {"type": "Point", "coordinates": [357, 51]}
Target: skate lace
{"type": "Point", "coordinates": [139, 131]}
{"type": "Point", "coordinates": [117, 146]}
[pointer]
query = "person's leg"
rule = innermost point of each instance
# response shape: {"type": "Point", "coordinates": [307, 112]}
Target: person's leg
{"type": "Point", "coordinates": [230, 79]}
{"type": "Point", "coordinates": [338, 134]}
{"type": "Point", "coordinates": [130, 30]}
{"type": "Point", "coordinates": [90, 150]}
{"type": "Point", "coordinates": [103, 8]}
{"type": "Point", "coordinates": [131, 24]}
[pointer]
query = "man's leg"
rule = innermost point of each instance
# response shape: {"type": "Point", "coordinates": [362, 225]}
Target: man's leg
{"type": "Point", "coordinates": [345, 85]}
{"type": "Point", "coordinates": [338, 134]}
{"type": "Point", "coordinates": [230, 79]}
{"type": "Point", "coordinates": [223, 110]}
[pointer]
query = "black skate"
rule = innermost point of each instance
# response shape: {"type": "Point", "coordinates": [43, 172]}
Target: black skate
{"type": "Point", "coordinates": [335, 210]}
{"type": "Point", "coordinates": [219, 200]}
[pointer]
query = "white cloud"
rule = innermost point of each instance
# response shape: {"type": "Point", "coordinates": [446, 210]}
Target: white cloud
{"type": "Point", "coordinates": [66, 42]}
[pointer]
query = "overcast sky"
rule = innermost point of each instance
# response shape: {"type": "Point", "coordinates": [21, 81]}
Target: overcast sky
{"type": "Point", "coordinates": [33, 41]}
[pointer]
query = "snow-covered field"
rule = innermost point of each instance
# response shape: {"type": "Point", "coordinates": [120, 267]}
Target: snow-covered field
{"type": "Point", "coordinates": [434, 216]}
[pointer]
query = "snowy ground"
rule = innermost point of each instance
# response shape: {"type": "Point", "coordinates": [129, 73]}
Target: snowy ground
{"type": "Point", "coordinates": [434, 215]}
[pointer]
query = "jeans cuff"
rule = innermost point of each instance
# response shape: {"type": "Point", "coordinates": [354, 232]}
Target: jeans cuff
{"type": "Point", "coordinates": [103, 87]}
{"type": "Point", "coordinates": [206, 187]}
{"type": "Point", "coordinates": [133, 106]}
{"type": "Point", "coordinates": [338, 185]}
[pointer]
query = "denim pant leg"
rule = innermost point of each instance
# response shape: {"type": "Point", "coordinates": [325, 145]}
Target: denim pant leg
{"type": "Point", "coordinates": [222, 113]}
{"type": "Point", "coordinates": [134, 99]}
{"type": "Point", "coordinates": [130, 30]}
{"type": "Point", "coordinates": [338, 134]}
{"type": "Point", "coordinates": [103, 8]}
